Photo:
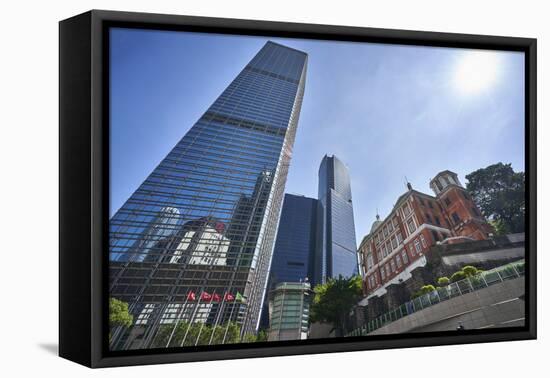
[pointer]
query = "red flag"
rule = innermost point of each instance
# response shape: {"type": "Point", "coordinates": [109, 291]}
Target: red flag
{"type": "Point", "coordinates": [191, 296]}
{"type": "Point", "coordinates": [205, 296]}
{"type": "Point", "coordinates": [228, 297]}
{"type": "Point", "coordinates": [216, 297]}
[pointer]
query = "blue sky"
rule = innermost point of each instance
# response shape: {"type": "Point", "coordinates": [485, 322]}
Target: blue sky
{"type": "Point", "coordinates": [387, 111]}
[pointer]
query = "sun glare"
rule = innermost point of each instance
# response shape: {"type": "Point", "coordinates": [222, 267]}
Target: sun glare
{"type": "Point", "coordinates": [476, 71]}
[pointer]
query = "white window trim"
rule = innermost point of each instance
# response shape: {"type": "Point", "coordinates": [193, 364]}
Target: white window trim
{"type": "Point", "coordinates": [404, 275]}
{"type": "Point", "coordinates": [417, 246]}
{"type": "Point", "coordinates": [422, 227]}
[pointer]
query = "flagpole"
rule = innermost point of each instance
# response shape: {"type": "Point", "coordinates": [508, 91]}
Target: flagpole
{"type": "Point", "coordinates": [229, 321]}
{"type": "Point", "coordinates": [191, 319]}
{"type": "Point", "coordinates": [178, 319]}
{"type": "Point", "coordinates": [196, 310]}
{"type": "Point", "coordinates": [221, 306]}
{"type": "Point", "coordinates": [202, 324]}
{"type": "Point", "coordinates": [218, 316]}
{"type": "Point", "coordinates": [153, 330]}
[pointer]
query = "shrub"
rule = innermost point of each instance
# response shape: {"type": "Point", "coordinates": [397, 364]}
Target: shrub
{"type": "Point", "coordinates": [457, 276]}
{"type": "Point", "coordinates": [423, 290]}
{"type": "Point", "coordinates": [427, 289]}
{"type": "Point", "coordinates": [443, 281]}
{"type": "Point", "coordinates": [470, 271]}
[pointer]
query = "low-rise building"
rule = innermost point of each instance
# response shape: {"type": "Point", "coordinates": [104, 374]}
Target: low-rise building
{"type": "Point", "coordinates": [289, 311]}
{"type": "Point", "coordinates": [396, 245]}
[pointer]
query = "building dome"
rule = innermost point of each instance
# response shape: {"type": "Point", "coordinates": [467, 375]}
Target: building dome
{"type": "Point", "coordinates": [375, 224]}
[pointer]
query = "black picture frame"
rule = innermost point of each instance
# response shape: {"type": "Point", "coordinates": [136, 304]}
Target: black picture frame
{"type": "Point", "coordinates": [84, 189]}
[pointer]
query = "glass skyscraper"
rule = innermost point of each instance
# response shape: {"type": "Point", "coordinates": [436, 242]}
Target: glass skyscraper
{"type": "Point", "coordinates": [204, 221]}
{"type": "Point", "coordinates": [337, 248]}
{"type": "Point", "coordinates": [294, 252]}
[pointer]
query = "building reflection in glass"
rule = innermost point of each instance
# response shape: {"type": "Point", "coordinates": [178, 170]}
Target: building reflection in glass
{"type": "Point", "coordinates": [204, 220]}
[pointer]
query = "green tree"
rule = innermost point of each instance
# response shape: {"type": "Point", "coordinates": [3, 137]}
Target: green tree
{"type": "Point", "coordinates": [499, 226]}
{"type": "Point", "coordinates": [262, 336]}
{"type": "Point", "coordinates": [255, 338]}
{"type": "Point", "coordinates": [196, 333]}
{"type": "Point", "coordinates": [500, 194]}
{"type": "Point", "coordinates": [118, 313]}
{"type": "Point", "coordinates": [443, 281]}
{"type": "Point", "coordinates": [334, 300]}
{"type": "Point", "coordinates": [249, 338]}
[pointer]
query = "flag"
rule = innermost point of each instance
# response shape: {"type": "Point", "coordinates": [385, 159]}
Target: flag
{"type": "Point", "coordinates": [216, 297]}
{"type": "Point", "coordinates": [205, 296]}
{"type": "Point", "coordinates": [239, 297]}
{"type": "Point", "coordinates": [191, 296]}
{"type": "Point", "coordinates": [228, 297]}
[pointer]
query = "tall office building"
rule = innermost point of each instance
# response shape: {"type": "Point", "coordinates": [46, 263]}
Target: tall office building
{"type": "Point", "coordinates": [294, 252]}
{"type": "Point", "coordinates": [204, 221]}
{"type": "Point", "coordinates": [337, 248]}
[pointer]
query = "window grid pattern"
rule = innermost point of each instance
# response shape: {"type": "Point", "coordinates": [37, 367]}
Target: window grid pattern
{"type": "Point", "coordinates": [338, 252]}
{"type": "Point", "coordinates": [204, 220]}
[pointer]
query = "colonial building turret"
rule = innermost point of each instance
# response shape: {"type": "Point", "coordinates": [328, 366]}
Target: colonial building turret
{"type": "Point", "coordinates": [396, 245]}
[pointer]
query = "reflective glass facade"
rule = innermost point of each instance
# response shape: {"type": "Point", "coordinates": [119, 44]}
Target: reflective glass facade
{"type": "Point", "coordinates": [294, 253]}
{"type": "Point", "coordinates": [337, 248]}
{"type": "Point", "coordinates": [295, 246]}
{"type": "Point", "coordinates": [205, 219]}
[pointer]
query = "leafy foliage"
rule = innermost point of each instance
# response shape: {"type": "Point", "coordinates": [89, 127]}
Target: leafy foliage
{"type": "Point", "coordinates": [196, 334]}
{"type": "Point", "coordinates": [118, 313]}
{"type": "Point", "coordinates": [457, 276]}
{"type": "Point", "coordinates": [499, 226]}
{"type": "Point", "coordinates": [470, 271]}
{"type": "Point", "coordinates": [249, 338]}
{"type": "Point", "coordinates": [500, 194]}
{"type": "Point", "coordinates": [334, 300]}
{"type": "Point", "coordinates": [424, 290]}
{"type": "Point", "coordinates": [427, 289]}
{"type": "Point", "coordinates": [259, 337]}
{"type": "Point", "coordinates": [262, 336]}
{"type": "Point", "coordinates": [443, 281]}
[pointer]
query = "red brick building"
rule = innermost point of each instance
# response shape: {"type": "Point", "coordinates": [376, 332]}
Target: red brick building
{"type": "Point", "coordinates": [396, 245]}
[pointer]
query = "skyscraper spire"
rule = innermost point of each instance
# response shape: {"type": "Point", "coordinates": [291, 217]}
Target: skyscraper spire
{"type": "Point", "coordinates": [338, 248]}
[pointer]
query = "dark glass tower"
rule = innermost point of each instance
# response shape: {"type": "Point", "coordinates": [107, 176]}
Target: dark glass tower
{"type": "Point", "coordinates": [205, 219]}
{"type": "Point", "coordinates": [337, 248]}
{"type": "Point", "coordinates": [294, 251]}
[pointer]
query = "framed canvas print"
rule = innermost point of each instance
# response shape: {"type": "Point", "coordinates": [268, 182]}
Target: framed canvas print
{"type": "Point", "coordinates": [234, 188]}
